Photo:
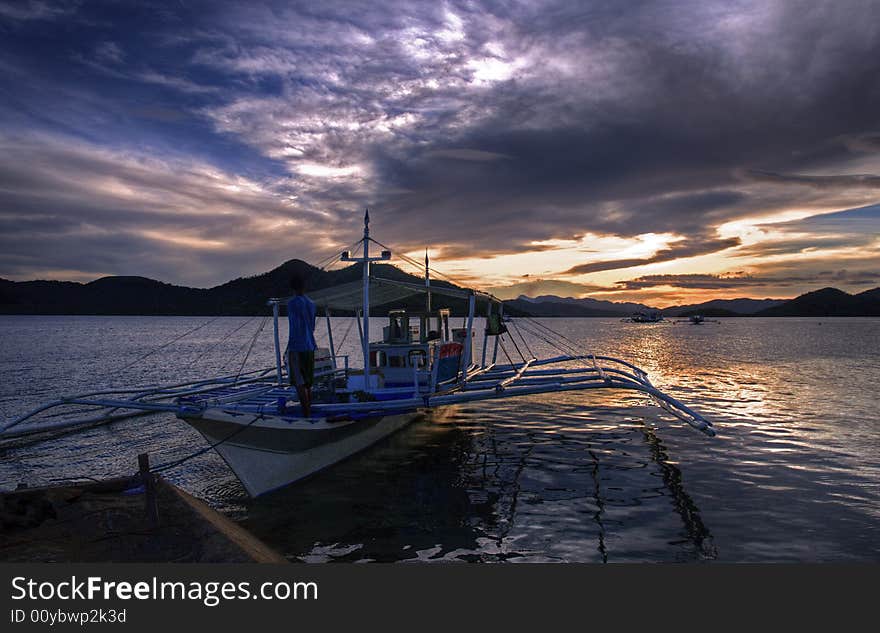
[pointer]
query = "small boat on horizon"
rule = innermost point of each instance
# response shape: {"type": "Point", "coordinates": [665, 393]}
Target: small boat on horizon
{"type": "Point", "coordinates": [254, 421]}
{"type": "Point", "coordinates": [645, 316]}
{"type": "Point", "coordinates": [696, 319]}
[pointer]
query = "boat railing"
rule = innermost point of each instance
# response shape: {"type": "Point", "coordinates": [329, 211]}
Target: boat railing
{"type": "Point", "coordinates": [111, 405]}
{"type": "Point", "coordinates": [524, 380]}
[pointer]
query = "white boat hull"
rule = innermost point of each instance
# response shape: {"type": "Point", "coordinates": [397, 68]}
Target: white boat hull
{"type": "Point", "coordinates": [271, 452]}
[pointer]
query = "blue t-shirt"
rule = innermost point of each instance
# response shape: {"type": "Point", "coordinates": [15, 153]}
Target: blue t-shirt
{"type": "Point", "coordinates": [301, 318]}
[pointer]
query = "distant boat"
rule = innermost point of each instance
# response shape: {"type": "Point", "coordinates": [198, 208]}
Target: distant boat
{"type": "Point", "coordinates": [254, 420]}
{"type": "Point", "coordinates": [645, 316]}
{"type": "Point", "coordinates": [697, 319]}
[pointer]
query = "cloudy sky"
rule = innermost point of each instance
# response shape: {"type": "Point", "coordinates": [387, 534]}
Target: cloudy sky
{"type": "Point", "coordinates": [661, 151]}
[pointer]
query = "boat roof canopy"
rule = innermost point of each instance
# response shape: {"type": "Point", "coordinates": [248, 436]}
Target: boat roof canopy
{"type": "Point", "coordinates": [350, 296]}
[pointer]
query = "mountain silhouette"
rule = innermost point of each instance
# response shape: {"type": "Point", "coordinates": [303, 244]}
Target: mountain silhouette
{"type": "Point", "coordinates": [143, 296]}
{"type": "Point", "coordinates": [248, 295]}
{"type": "Point", "coordinates": [829, 302]}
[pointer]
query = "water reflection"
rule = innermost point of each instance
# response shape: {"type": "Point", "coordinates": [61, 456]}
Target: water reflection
{"type": "Point", "coordinates": [403, 500]}
{"type": "Point", "coordinates": [475, 486]}
{"type": "Point", "coordinates": [697, 533]}
{"type": "Point", "coordinates": [793, 475]}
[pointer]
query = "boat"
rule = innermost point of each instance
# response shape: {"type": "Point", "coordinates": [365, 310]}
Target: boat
{"type": "Point", "coordinates": [696, 319]}
{"type": "Point", "coordinates": [421, 364]}
{"type": "Point", "coordinates": [645, 316]}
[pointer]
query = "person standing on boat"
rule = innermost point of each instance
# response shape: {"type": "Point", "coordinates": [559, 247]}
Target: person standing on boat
{"type": "Point", "coordinates": [301, 343]}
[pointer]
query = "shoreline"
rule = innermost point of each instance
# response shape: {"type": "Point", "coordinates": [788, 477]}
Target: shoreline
{"type": "Point", "coordinates": [109, 521]}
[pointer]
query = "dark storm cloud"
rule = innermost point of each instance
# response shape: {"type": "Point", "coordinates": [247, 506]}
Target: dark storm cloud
{"type": "Point", "coordinates": [821, 182]}
{"type": "Point", "coordinates": [676, 251]}
{"type": "Point", "coordinates": [662, 111]}
{"type": "Point", "coordinates": [800, 245]}
{"type": "Point", "coordinates": [863, 221]}
{"type": "Point", "coordinates": [846, 229]}
{"type": "Point", "coordinates": [718, 282]}
{"type": "Point", "coordinates": [538, 287]}
{"type": "Point", "coordinates": [107, 212]}
{"type": "Point", "coordinates": [480, 127]}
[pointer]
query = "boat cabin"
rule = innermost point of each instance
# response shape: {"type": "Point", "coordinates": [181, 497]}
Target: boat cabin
{"type": "Point", "coordinates": [402, 328]}
{"type": "Point", "coordinates": [416, 348]}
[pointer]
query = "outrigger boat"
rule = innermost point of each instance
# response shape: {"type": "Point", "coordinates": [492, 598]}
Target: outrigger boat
{"type": "Point", "coordinates": [696, 319]}
{"type": "Point", "coordinates": [649, 316]}
{"type": "Point", "coordinates": [253, 419]}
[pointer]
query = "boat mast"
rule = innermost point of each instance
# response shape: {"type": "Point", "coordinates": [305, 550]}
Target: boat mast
{"type": "Point", "coordinates": [364, 320]}
{"type": "Point", "coordinates": [366, 317]}
{"type": "Point", "coordinates": [428, 284]}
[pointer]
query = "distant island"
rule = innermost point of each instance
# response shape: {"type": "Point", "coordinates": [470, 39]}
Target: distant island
{"type": "Point", "coordinates": [248, 295]}
{"type": "Point", "coordinates": [827, 302]}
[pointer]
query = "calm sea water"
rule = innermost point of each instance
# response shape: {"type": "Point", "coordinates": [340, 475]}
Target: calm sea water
{"type": "Point", "coordinates": [794, 474]}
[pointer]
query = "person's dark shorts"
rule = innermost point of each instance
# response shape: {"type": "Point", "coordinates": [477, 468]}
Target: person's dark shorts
{"type": "Point", "coordinates": [302, 368]}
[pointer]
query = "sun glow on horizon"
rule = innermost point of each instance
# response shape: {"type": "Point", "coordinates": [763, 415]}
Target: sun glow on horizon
{"type": "Point", "coordinates": [544, 269]}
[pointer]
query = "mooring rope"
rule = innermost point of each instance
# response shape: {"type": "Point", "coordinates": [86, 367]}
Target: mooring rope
{"type": "Point", "coordinates": [522, 338]}
{"type": "Point", "coordinates": [559, 346]}
{"type": "Point", "coordinates": [571, 351]}
{"type": "Point", "coordinates": [573, 345]}
{"type": "Point", "coordinates": [239, 350]}
{"type": "Point", "coordinates": [251, 346]}
{"type": "Point", "coordinates": [202, 451]}
{"type": "Point", "coordinates": [518, 350]}
{"type": "Point", "coordinates": [419, 265]}
{"type": "Point", "coordinates": [164, 345]}
{"type": "Point", "coordinates": [345, 336]}
{"type": "Point", "coordinates": [222, 339]}
{"type": "Point", "coordinates": [332, 259]}
{"type": "Point", "coordinates": [504, 349]}
{"type": "Point", "coordinates": [553, 344]}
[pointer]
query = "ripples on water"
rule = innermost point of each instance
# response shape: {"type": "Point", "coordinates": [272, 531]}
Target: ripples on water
{"type": "Point", "coordinates": [793, 475]}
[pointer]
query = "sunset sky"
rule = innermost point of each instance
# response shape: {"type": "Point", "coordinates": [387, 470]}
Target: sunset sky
{"type": "Point", "coordinates": [659, 151]}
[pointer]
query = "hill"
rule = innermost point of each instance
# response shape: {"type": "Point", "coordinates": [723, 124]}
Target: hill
{"type": "Point", "coordinates": [724, 307]}
{"type": "Point", "coordinates": [551, 305]}
{"type": "Point", "coordinates": [562, 308]}
{"type": "Point", "coordinates": [142, 296]}
{"type": "Point", "coordinates": [248, 295]}
{"type": "Point", "coordinates": [599, 306]}
{"type": "Point", "coordinates": [829, 302]}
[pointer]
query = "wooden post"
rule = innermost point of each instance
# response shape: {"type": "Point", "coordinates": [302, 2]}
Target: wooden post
{"type": "Point", "coordinates": [149, 483]}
